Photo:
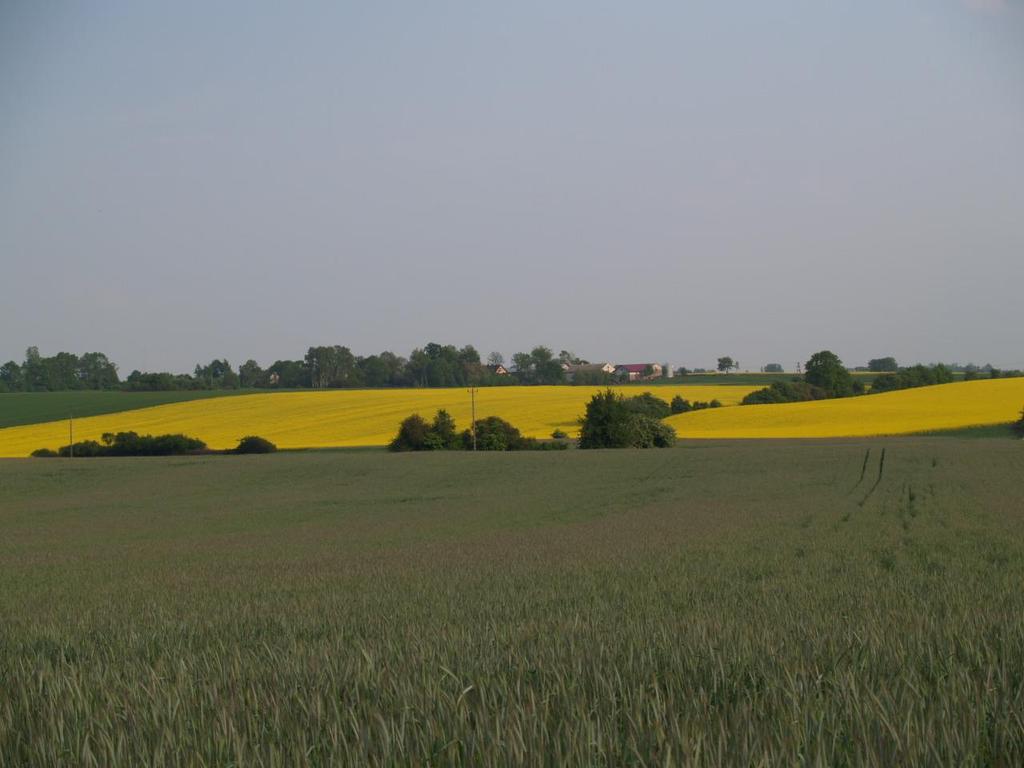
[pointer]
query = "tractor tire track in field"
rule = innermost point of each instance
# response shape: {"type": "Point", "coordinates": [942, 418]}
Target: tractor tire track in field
{"type": "Point", "coordinates": [878, 480]}
{"type": "Point", "coordinates": [863, 471]}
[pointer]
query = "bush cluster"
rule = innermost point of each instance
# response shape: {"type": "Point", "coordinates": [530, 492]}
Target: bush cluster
{"type": "Point", "coordinates": [915, 376]}
{"type": "Point", "coordinates": [492, 434]}
{"type": "Point", "coordinates": [785, 392]}
{"type": "Point", "coordinates": [128, 444]}
{"type": "Point", "coordinates": [1018, 426]}
{"type": "Point", "coordinates": [682, 405]}
{"type": "Point", "coordinates": [614, 421]}
{"type": "Point", "coordinates": [134, 444]}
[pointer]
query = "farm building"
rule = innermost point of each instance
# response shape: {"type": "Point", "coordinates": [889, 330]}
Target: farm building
{"type": "Point", "coordinates": [638, 371]}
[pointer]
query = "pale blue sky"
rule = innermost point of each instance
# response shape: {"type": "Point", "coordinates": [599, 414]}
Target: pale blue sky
{"type": "Point", "coordinates": [643, 181]}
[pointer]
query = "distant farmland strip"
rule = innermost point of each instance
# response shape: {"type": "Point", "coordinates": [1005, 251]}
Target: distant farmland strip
{"type": "Point", "coordinates": [339, 418]}
{"type": "Point", "coordinates": [943, 407]}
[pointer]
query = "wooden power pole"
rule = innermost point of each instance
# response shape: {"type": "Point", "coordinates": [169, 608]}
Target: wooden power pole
{"type": "Point", "coordinates": [472, 406]}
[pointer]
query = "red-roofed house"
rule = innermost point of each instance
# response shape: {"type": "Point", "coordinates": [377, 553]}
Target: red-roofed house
{"type": "Point", "coordinates": [638, 371]}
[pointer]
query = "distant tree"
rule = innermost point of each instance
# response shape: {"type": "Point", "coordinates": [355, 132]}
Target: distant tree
{"type": "Point", "coordinates": [682, 371]}
{"type": "Point", "coordinates": [10, 375]}
{"type": "Point", "coordinates": [33, 373]}
{"type": "Point", "coordinates": [773, 368]}
{"type": "Point", "coordinates": [288, 374]}
{"type": "Point", "coordinates": [469, 355]}
{"type": "Point", "coordinates": [371, 371]}
{"type": "Point", "coordinates": [826, 371]}
{"type": "Point", "coordinates": [547, 369]}
{"type": "Point", "coordinates": [250, 374]}
{"type": "Point", "coordinates": [883, 365]}
{"type": "Point", "coordinates": [217, 375]}
{"type": "Point", "coordinates": [333, 366]}
{"type": "Point", "coordinates": [95, 371]}
{"type": "Point", "coordinates": [62, 372]}
{"type": "Point", "coordinates": [522, 363]}
{"type": "Point", "coordinates": [495, 359]}
{"type": "Point", "coordinates": [725, 364]}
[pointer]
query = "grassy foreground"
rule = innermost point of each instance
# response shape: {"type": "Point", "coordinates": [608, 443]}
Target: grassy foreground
{"type": "Point", "coordinates": [745, 603]}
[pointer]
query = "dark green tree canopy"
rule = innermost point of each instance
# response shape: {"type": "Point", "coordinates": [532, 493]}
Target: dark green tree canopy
{"type": "Point", "coordinates": [883, 365]}
{"type": "Point", "coordinates": [826, 371]}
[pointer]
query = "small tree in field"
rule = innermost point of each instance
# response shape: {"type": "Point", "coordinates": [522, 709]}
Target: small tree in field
{"type": "Point", "coordinates": [725, 364]}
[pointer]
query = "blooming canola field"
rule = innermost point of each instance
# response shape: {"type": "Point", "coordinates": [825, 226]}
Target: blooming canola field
{"type": "Point", "coordinates": [946, 406]}
{"type": "Point", "coordinates": [340, 418]}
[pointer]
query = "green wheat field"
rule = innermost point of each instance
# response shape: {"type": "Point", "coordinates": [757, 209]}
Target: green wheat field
{"type": "Point", "coordinates": [853, 602]}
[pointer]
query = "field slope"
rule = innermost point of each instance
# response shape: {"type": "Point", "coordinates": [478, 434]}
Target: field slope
{"type": "Point", "coordinates": [338, 418]}
{"type": "Point", "coordinates": [943, 407]}
{"type": "Point", "coordinates": [17, 408]}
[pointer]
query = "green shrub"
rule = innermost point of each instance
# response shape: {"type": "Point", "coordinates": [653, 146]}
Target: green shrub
{"type": "Point", "coordinates": [412, 434]}
{"type": "Point", "coordinates": [134, 444]}
{"type": "Point", "coordinates": [45, 453]}
{"type": "Point", "coordinates": [559, 435]}
{"type": "Point", "coordinates": [785, 392]}
{"type": "Point", "coordinates": [415, 434]}
{"type": "Point", "coordinates": [255, 444]}
{"type": "Point", "coordinates": [85, 449]}
{"type": "Point", "coordinates": [494, 434]}
{"type": "Point", "coordinates": [680, 404]}
{"type": "Point", "coordinates": [649, 405]}
{"type": "Point", "coordinates": [611, 421]}
{"type": "Point", "coordinates": [1018, 426]}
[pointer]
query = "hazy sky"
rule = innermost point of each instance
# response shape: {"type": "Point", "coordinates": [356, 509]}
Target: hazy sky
{"type": "Point", "coordinates": [630, 180]}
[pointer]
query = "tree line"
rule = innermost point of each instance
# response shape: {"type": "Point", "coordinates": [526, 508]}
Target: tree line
{"type": "Point", "coordinates": [433, 365]}
{"type": "Point", "coordinates": [826, 377]}
{"type": "Point", "coordinates": [333, 366]}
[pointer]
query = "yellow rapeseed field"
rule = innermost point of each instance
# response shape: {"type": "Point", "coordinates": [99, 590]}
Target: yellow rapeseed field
{"type": "Point", "coordinates": [340, 417]}
{"type": "Point", "coordinates": [947, 406]}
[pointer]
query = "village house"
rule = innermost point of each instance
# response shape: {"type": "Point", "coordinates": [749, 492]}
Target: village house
{"type": "Point", "coordinates": [638, 371]}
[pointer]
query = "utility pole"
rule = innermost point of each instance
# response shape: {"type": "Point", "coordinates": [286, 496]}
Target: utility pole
{"type": "Point", "coordinates": [472, 402]}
